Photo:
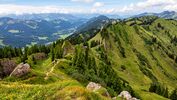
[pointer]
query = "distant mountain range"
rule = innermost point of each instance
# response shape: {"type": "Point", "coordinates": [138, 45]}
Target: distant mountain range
{"type": "Point", "coordinates": [89, 28]}
{"type": "Point", "coordinates": [43, 16]}
{"type": "Point", "coordinates": [22, 30]}
{"type": "Point", "coordinates": [165, 14]}
{"type": "Point", "coordinates": [27, 29]}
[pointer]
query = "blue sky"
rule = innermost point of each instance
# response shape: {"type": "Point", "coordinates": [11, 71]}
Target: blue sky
{"type": "Point", "coordinates": [86, 6]}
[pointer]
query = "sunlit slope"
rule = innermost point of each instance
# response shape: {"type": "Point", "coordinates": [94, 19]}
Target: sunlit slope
{"type": "Point", "coordinates": [142, 53]}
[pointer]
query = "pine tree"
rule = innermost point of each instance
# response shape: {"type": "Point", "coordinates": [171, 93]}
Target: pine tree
{"type": "Point", "coordinates": [33, 59]}
{"type": "Point", "coordinates": [25, 55]}
{"type": "Point", "coordinates": [166, 93]}
{"type": "Point", "coordinates": [52, 54]}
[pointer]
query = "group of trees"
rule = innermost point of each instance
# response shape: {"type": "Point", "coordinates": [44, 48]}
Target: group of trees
{"type": "Point", "coordinates": [9, 52]}
{"type": "Point", "coordinates": [174, 40]}
{"type": "Point", "coordinates": [163, 91]}
{"type": "Point", "coordinates": [159, 89]}
{"type": "Point", "coordinates": [33, 49]}
{"type": "Point", "coordinates": [99, 71]}
{"type": "Point", "coordinates": [94, 43]}
{"type": "Point", "coordinates": [57, 50]}
{"type": "Point", "coordinates": [160, 26]}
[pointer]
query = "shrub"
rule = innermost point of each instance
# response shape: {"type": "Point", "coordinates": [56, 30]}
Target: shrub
{"type": "Point", "coordinates": [123, 67]}
{"type": "Point", "coordinates": [94, 43]}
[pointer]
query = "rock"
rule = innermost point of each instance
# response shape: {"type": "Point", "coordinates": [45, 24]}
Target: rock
{"type": "Point", "coordinates": [134, 98]}
{"type": "Point", "coordinates": [97, 88]}
{"type": "Point", "coordinates": [40, 56]}
{"type": "Point", "coordinates": [67, 48]}
{"type": "Point", "coordinates": [7, 66]}
{"type": "Point", "coordinates": [21, 70]}
{"type": "Point", "coordinates": [114, 98]}
{"type": "Point", "coordinates": [127, 96]}
{"type": "Point", "coordinates": [93, 86]}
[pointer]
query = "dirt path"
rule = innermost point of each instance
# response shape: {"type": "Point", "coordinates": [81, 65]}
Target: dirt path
{"type": "Point", "coordinates": [54, 63]}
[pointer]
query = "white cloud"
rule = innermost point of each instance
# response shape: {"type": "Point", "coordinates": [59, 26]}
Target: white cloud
{"type": "Point", "coordinates": [172, 7]}
{"type": "Point", "coordinates": [84, 1]}
{"type": "Point", "coordinates": [20, 9]}
{"type": "Point", "coordinates": [97, 7]}
{"type": "Point", "coordinates": [98, 4]}
{"type": "Point", "coordinates": [149, 4]}
{"type": "Point", "coordinates": [102, 11]}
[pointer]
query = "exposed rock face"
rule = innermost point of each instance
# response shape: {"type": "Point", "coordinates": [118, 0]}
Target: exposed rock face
{"type": "Point", "coordinates": [67, 48]}
{"type": "Point", "coordinates": [40, 56]}
{"type": "Point", "coordinates": [21, 70]}
{"type": "Point", "coordinates": [6, 67]}
{"type": "Point", "coordinates": [93, 86]}
{"type": "Point", "coordinates": [126, 95]}
{"type": "Point", "coordinates": [97, 88]}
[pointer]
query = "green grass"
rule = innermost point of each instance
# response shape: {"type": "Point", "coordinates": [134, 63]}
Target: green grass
{"type": "Point", "coordinates": [21, 91]}
{"type": "Point", "coordinates": [35, 86]}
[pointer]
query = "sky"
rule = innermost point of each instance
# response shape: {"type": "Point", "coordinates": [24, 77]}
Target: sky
{"type": "Point", "coordinates": [86, 6]}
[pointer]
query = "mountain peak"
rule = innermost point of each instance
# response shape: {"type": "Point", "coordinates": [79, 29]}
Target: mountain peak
{"type": "Point", "coordinates": [168, 12]}
{"type": "Point", "coordinates": [164, 14]}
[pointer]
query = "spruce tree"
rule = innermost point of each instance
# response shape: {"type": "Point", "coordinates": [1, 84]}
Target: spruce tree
{"type": "Point", "coordinates": [166, 93]}
{"type": "Point", "coordinates": [33, 59]}
{"type": "Point", "coordinates": [52, 54]}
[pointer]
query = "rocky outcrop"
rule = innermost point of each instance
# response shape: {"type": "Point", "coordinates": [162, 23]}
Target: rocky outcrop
{"type": "Point", "coordinates": [40, 56]}
{"type": "Point", "coordinates": [6, 67]}
{"type": "Point", "coordinates": [126, 95]}
{"type": "Point", "coordinates": [93, 86]}
{"type": "Point", "coordinates": [67, 48]}
{"type": "Point", "coordinates": [97, 88]}
{"type": "Point", "coordinates": [21, 70]}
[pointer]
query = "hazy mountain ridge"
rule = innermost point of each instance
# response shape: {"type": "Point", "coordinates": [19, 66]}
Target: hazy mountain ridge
{"type": "Point", "coordinates": [21, 32]}
{"type": "Point", "coordinates": [165, 14]}
{"type": "Point", "coordinates": [86, 30]}
{"type": "Point", "coordinates": [48, 27]}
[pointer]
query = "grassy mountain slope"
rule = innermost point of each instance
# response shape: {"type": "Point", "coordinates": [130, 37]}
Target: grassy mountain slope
{"type": "Point", "coordinates": [44, 84]}
{"type": "Point", "coordinates": [141, 53]}
{"type": "Point", "coordinates": [128, 55]}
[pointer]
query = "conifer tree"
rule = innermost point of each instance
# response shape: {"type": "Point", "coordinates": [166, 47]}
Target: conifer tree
{"type": "Point", "coordinates": [33, 59]}
{"type": "Point", "coordinates": [52, 54]}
